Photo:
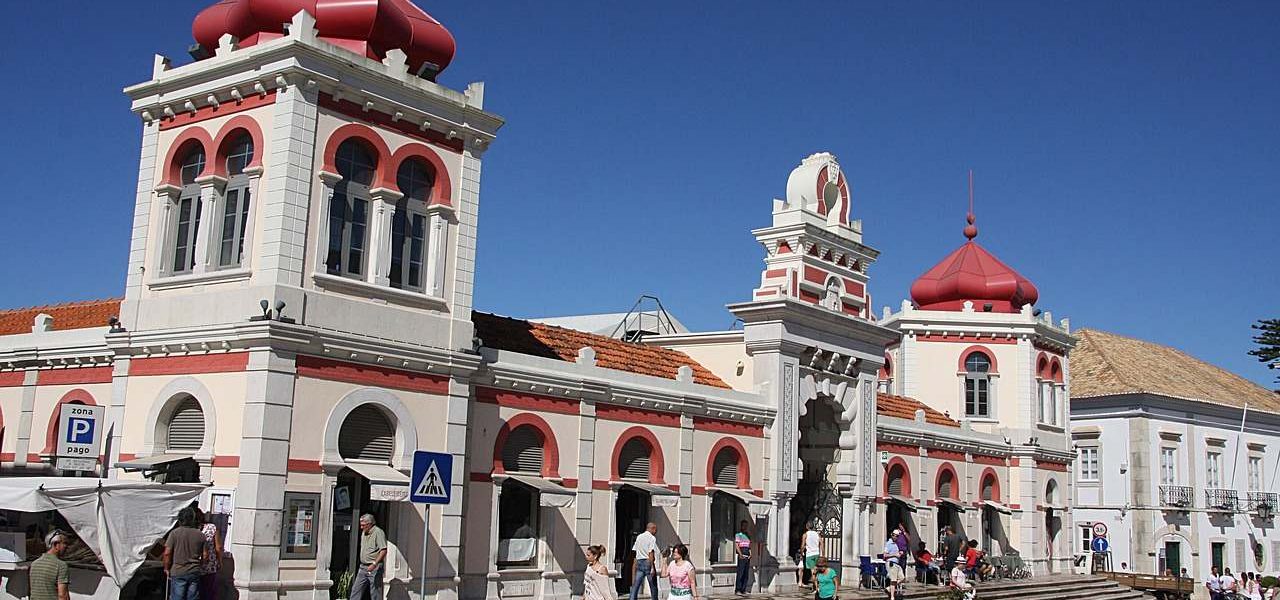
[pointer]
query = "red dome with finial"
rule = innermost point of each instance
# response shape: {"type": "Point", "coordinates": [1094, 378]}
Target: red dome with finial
{"type": "Point", "coordinates": [973, 274]}
{"type": "Point", "coordinates": [367, 27]}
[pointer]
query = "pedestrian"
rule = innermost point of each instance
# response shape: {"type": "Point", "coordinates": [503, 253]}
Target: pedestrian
{"type": "Point", "coordinates": [1213, 583]}
{"type": "Point", "coordinates": [185, 553]}
{"type": "Point", "coordinates": [643, 568]}
{"type": "Point", "coordinates": [891, 551]}
{"type": "Point", "coordinates": [681, 574]}
{"type": "Point", "coordinates": [1253, 586]}
{"type": "Point", "coordinates": [596, 582]}
{"type": "Point", "coordinates": [825, 580]}
{"type": "Point", "coordinates": [1230, 585]}
{"type": "Point", "coordinates": [811, 552]}
{"type": "Point", "coordinates": [954, 545]}
{"type": "Point", "coordinates": [904, 544]}
{"type": "Point", "coordinates": [49, 575]}
{"type": "Point", "coordinates": [896, 577]}
{"type": "Point", "coordinates": [971, 558]}
{"type": "Point", "coordinates": [373, 556]}
{"type": "Point", "coordinates": [213, 564]}
{"type": "Point", "coordinates": [742, 550]}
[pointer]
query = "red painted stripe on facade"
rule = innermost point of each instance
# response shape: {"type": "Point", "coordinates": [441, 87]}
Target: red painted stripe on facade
{"type": "Point", "coordinates": [527, 401]}
{"type": "Point", "coordinates": [127, 456]}
{"type": "Point", "coordinates": [333, 370]}
{"type": "Point", "coordinates": [946, 455]}
{"type": "Point", "coordinates": [898, 448]}
{"type": "Point", "coordinates": [225, 461]}
{"type": "Point", "coordinates": [6, 457]}
{"type": "Point", "coordinates": [988, 460]}
{"type": "Point", "coordinates": [381, 119]}
{"type": "Point", "coordinates": [302, 465]}
{"type": "Point", "coordinates": [763, 293]}
{"type": "Point", "coordinates": [1051, 466]}
{"type": "Point", "coordinates": [853, 287]}
{"type": "Point", "coordinates": [598, 484]}
{"type": "Point", "coordinates": [480, 477]}
{"type": "Point", "coordinates": [224, 109]}
{"type": "Point", "coordinates": [12, 378]}
{"type": "Point", "coordinates": [699, 490]}
{"type": "Point", "coordinates": [230, 362]}
{"type": "Point", "coordinates": [814, 275]}
{"type": "Point", "coordinates": [775, 272]}
{"type": "Point", "coordinates": [74, 376]}
{"type": "Point", "coordinates": [729, 427]}
{"type": "Point", "coordinates": [640, 416]}
{"type": "Point", "coordinates": [808, 296]}
{"type": "Point", "coordinates": [569, 483]}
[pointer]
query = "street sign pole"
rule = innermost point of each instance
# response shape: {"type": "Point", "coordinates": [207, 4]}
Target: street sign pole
{"type": "Point", "coordinates": [431, 483]}
{"type": "Point", "coordinates": [426, 525]}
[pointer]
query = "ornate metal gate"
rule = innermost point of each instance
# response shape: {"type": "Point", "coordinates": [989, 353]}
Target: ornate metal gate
{"type": "Point", "coordinates": [827, 518]}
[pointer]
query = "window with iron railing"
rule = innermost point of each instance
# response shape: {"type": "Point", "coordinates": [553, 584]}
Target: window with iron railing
{"type": "Point", "coordinates": [1176, 496]}
{"type": "Point", "coordinates": [1220, 499]}
{"type": "Point", "coordinates": [1255, 501]}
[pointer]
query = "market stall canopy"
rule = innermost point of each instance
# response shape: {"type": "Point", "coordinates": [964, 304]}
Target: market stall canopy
{"type": "Point", "coordinates": [549, 493]}
{"type": "Point", "coordinates": [118, 520]}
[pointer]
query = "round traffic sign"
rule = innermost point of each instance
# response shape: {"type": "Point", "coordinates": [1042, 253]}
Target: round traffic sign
{"type": "Point", "coordinates": [1100, 529]}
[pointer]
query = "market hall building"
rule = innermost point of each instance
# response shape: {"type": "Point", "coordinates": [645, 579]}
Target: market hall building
{"type": "Point", "coordinates": [297, 320]}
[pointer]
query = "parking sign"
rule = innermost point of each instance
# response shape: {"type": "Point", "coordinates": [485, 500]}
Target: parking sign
{"type": "Point", "coordinates": [80, 435]}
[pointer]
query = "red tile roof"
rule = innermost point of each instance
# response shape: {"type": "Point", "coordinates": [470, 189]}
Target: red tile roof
{"type": "Point", "coordinates": [903, 407]}
{"type": "Point", "coordinates": [72, 315]}
{"type": "Point", "coordinates": [547, 341]}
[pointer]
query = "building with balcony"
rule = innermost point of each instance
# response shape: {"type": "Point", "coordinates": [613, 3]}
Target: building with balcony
{"type": "Point", "coordinates": [1176, 456]}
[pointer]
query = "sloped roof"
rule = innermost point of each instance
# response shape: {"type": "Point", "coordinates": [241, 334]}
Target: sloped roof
{"type": "Point", "coordinates": [72, 315]}
{"type": "Point", "coordinates": [1107, 364]}
{"type": "Point", "coordinates": [904, 407]}
{"type": "Point", "coordinates": [548, 341]}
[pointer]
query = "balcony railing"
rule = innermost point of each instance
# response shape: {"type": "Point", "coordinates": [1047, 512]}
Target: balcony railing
{"type": "Point", "coordinates": [1176, 496]}
{"type": "Point", "coordinates": [1262, 502]}
{"type": "Point", "coordinates": [1220, 499]}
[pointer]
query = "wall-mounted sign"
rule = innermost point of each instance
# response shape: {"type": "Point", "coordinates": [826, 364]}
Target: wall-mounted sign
{"type": "Point", "coordinates": [79, 437]}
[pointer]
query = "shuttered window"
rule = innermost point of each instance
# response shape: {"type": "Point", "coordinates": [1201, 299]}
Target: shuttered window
{"type": "Point", "coordinates": [366, 434]}
{"type": "Point", "coordinates": [522, 451]}
{"type": "Point", "coordinates": [724, 469]}
{"type": "Point", "coordinates": [186, 426]}
{"type": "Point", "coordinates": [634, 461]}
{"type": "Point", "coordinates": [945, 484]}
{"type": "Point", "coordinates": [988, 488]}
{"type": "Point", "coordinates": [895, 481]}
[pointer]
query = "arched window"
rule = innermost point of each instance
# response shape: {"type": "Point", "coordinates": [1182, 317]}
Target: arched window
{"type": "Point", "coordinates": [989, 489]}
{"type": "Point", "coordinates": [523, 451]}
{"type": "Point", "coordinates": [235, 201]}
{"type": "Point", "coordinates": [946, 484]}
{"type": "Point", "coordinates": [185, 432]}
{"type": "Point", "coordinates": [349, 209]}
{"type": "Point", "coordinates": [634, 460]}
{"type": "Point", "coordinates": [724, 468]}
{"type": "Point", "coordinates": [831, 297]}
{"type": "Point", "coordinates": [367, 435]}
{"type": "Point", "coordinates": [977, 385]}
{"type": "Point", "coordinates": [1054, 393]}
{"type": "Point", "coordinates": [409, 225]}
{"type": "Point", "coordinates": [897, 485]}
{"type": "Point", "coordinates": [1051, 493]}
{"type": "Point", "coordinates": [186, 224]}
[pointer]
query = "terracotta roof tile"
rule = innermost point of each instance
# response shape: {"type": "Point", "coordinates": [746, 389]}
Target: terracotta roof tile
{"type": "Point", "coordinates": [72, 315]}
{"type": "Point", "coordinates": [1106, 364]}
{"type": "Point", "coordinates": [548, 341]}
{"type": "Point", "coordinates": [903, 407]}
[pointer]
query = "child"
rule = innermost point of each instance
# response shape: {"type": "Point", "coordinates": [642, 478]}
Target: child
{"type": "Point", "coordinates": [825, 580]}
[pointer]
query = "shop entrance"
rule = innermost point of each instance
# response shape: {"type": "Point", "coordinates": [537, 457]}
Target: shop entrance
{"type": "Point", "coordinates": [631, 509]}
{"type": "Point", "coordinates": [350, 500]}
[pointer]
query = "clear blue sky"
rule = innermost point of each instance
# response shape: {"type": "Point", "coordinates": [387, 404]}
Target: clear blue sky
{"type": "Point", "coordinates": [1127, 154]}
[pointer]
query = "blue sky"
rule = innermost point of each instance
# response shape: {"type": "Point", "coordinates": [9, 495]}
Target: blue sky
{"type": "Point", "coordinates": [1126, 154]}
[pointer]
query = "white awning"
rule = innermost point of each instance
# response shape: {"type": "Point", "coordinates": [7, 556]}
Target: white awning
{"type": "Point", "coordinates": [952, 503]}
{"type": "Point", "coordinates": [651, 489]}
{"type": "Point", "coordinates": [756, 505]}
{"type": "Point", "coordinates": [996, 506]}
{"type": "Point", "coordinates": [378, 473]}
{"type": "Point", "coordinates": [904, 501]}
{"type": "Point", "coordinates": [151, 463]}
{"type": "Point", "coordinates": [1057, 507]}
{"type": "Point", "coordinates": [549, 493]}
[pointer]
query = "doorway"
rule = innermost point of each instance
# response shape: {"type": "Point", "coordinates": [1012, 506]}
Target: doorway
{"type": "Point", "coordinates": [631, 509]}
{"type": "Point", "coordinates": [350, 500]}
{"type": "Point", "coordinates": [1218, 550]}
{"type": "Point", "coordinates": [1172, 557]}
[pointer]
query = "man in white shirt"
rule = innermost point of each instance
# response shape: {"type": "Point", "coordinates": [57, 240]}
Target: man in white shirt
{"type": "Point", "coordinates": [1213, 583]}
{"type": "Point", "coordinates": [1229, 585]}
{"type": "Point", "coordinates": [643, 567]}
{"type": "Point", "coordinates": [811, 552]}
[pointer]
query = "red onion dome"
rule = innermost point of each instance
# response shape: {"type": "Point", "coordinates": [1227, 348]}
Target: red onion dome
{"type": "Point", "coordinates": [970, 273]}
{"type": "Point", "coordinates": [367, 27]}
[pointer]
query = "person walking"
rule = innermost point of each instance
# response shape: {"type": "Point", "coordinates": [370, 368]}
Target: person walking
{"type": "Point", "coordinates": [681, 574]}
{"type": "Point", "coordinates": [825, 580]}
{"type": "Point", "coordinates": [49, 575]}
{"type": "Point", "coordinates": [811, 551]}
{"type": "Point", "coordinates": [373, 556]}
{"type": "Point", "coordinates": [954, 547]}
{"type": "Point", "coordinates": [1253, 586]}
{"type": "Point", "coordinates": [1230, 585]}
{"type": "Point", "coordinates": [742, 550]}
{"type": "Point", "coordinates": [892, 553]}
{"type": "Point", "coordinates": [1213, 583]}
{"type": "Point", "coordinates": [597, 584]}
{"type": "Point", "coordinates": [185, 553]}
{"type": "Point", "coordinates": [642, 568]}
{"type": "Point", "coordinates": [209, 569]}
{"type": "Point", "coordinates": [904, 544]}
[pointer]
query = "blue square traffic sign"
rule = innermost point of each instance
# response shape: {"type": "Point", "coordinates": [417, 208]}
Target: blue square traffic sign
{"type": "Point", "coordinates": [432, 480]}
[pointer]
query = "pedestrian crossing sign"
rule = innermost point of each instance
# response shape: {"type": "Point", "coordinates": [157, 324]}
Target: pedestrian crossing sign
{"type": "Point", "coordinates": [432, 480]}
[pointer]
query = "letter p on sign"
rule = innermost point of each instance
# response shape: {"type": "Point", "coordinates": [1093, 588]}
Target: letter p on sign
{"type": "Point", "coordinates": [79, 431]}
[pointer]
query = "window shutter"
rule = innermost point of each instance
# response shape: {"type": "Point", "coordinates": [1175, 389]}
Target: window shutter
{"type": "Point", "coordinates": [895, 482]}
{"type": "Point", "coordinates": [522, 451]}
{"type": "Point", "coordinates": [988, 491]}
{"type": "Point", "coordinates": [724, 469]}
{"type": "Point", "coordinates": [366, 435]}
{"type": "Point", "coordinates": [186, 427]}
{"type": "Point", "coordinates": [634, 462]}
{"type": "Point", "coordinates": [944, 486]}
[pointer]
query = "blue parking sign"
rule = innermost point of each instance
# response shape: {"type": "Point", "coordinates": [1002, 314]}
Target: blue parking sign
{"type": "Point", "coordinates": [79, 431]}
{"type": "Point", "coordinates": [432, 479]}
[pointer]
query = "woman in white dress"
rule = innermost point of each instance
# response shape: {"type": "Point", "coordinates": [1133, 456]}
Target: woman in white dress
{"type": "Point", "coordinates": [597, 584]}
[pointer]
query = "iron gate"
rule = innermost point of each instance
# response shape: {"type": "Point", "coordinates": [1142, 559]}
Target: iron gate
{"type": "Point", "coordinates": [826, 517]}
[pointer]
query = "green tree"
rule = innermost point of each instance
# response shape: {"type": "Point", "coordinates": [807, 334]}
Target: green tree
{"type": "Point", "coordinates": [1268, 341]}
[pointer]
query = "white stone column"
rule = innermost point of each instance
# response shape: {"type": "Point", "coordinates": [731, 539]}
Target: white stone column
{"type": "Point", "coordinates": [684, 527]}
{"type": "Point", "coordinates": [437, 248]}
{"type": "Point", "coordinates": [210, 224]}
{"type": "Point", "coordinates": [329, 181]}
{"type": "Point", "coordinates": [446, 580]}
{"type": "Point", "coordinates": [378, 254]}
{"type": "Point", "coordinates": [22, 448]}
{"type": "Point", "coordinates": [115, 414]}
{"type": "Point", "coordinates": [142, 235]}
{"type": "Point", "coordinates": [285, 198]}
{"type": "Point", "coordinates": [586, 474]}
{"type": "Point", "coordinates": [264, 452]}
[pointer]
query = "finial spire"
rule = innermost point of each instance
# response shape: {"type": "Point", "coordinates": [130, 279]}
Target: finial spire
{"type": "Point", "coordinates": [970, 230]}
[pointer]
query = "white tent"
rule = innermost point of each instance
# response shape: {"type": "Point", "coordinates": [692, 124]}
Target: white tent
{"type": "Point", "coordinates": [118, 520]}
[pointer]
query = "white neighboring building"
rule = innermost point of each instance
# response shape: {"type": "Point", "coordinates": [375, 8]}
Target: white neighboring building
{"type": "Point", "coordinates": [1162, 459]}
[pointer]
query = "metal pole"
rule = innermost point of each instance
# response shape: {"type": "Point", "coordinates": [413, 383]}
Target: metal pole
{"type": "Point", "coordinates": [426, 527]}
